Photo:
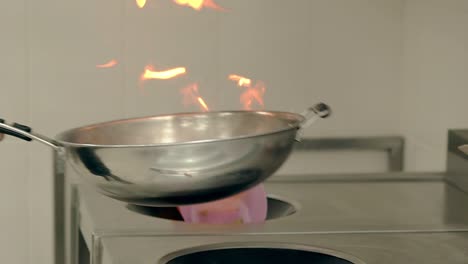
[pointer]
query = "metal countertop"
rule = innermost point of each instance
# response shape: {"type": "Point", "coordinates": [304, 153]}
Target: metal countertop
{"type": "Point", "coordinates": [376, 248]}
{"type": "Point", "coordinates": [409, 202]}
{"type": "Point", "coordinates": [379, 218]}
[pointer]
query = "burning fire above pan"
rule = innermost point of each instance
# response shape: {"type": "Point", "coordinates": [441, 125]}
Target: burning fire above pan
{"type": "Point", "coordinates": [249, 206]}
{"type": "Point", "coordinates": [151, 74]}
{"type": "Point", "coordinates": [251, 95]}
{"type": "Point", "coordinates": [141, 3]}
{"type": "Point", "coordinates": [195, 4]}
{"type": "Point", "coordinates": [191, 96]}
{"type": "Point", "coordinates": [109, 64]}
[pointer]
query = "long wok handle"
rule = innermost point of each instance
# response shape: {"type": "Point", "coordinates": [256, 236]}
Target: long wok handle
{"type": "Point", "coordinates": [16, 134]}
{"type": "Point", "coordinates": [25, 133]}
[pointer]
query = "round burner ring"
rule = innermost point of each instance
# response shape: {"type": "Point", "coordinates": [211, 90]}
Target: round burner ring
{"type": "Point", "coordinates": [257, 253]}
{"type": "Point", "coordinates": [277, 208]}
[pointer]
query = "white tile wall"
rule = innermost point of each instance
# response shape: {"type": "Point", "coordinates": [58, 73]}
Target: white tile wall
{"type": "Point", "coordinates": [14, 196]}
{"type": "Point", "coordinates": [436, 78]}
{"type": "Point", "coordinates": [14, 203]}
{"type": "Point", "coordinates": [347, 53]}
{"type": "Point", "coordinates": [13, 54]}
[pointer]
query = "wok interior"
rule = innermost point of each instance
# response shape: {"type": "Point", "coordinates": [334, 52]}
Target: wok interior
{"type": "Point", "coordinates": [182, 128]}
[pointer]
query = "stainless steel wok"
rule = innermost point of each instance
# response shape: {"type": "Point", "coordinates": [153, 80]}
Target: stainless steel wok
{"type": "Point", "coordinates": [178, 159]}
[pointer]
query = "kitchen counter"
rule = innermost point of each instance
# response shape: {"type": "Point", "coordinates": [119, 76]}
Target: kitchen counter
{"type": "Point", "coordinates": [374, 217]}
{"type": "Point", "coordinates": [372, 248]}
{"type": "Point", "coordinates": [419, 202]}
{"type": "Point", "coordinates": [367, 218]}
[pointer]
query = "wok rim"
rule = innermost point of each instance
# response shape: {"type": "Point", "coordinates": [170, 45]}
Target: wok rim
{"type": "Point", "coordinates": [299, 119]}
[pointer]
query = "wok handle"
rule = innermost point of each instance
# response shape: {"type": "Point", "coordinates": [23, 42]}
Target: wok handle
{"type": "Point", "coordinates": [312, 114]}
{"type": "Point", "coordinates": [16, 134]}
{"type": "Point", "coordinates": [25, 133]}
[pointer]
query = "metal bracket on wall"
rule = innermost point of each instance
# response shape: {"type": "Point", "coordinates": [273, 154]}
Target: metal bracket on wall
{"type": "Point", "coordinates": [393, 145]}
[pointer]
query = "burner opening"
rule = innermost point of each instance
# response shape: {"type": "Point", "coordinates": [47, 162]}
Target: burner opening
{"type": "Point", "coordinates": [277, 208]}
{"type": "Point", "coordinates": [246, 254]}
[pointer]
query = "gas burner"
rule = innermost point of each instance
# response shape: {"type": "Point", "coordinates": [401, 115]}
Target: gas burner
{"type": "Point", "coordinates": [277, 208]}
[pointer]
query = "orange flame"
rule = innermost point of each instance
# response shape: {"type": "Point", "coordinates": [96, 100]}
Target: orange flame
{"type": "Point", "coordinates": [109, 64]}
{"type": "Point", "coordinates": [141, 3]}
{"type": "Point", "coordinates": [252, 94]}
{"type": "Point", "coordinates": [203, 104]}
{"type": "Point", "coordinates": [241, 81]}
{"type": "Point", "coordinates": [191, 96]}
{"type": "Point", "coordinates": [199, 4]}
{"type": "Point", "coordinates": [150, 73]}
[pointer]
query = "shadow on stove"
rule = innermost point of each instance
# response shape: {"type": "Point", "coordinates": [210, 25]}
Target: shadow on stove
{"type": "Point", "coordinates": [258, 253]}
{"type": "Point", "coordinates": [277, 208]}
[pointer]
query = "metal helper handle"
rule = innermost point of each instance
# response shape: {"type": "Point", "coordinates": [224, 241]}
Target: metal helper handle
{"type": "Point", "coordinates": [464, 148]}
{"type": "Point", "coordinates": [25, 133]}
{"type": "Point", "coordinates": [311, 115]}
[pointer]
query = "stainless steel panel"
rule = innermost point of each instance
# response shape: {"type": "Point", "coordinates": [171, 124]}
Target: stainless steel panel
{"type": "Point", "coordinates": [377, 248]}
{"type": "Point", "coordinates": [414, 203]}
{"type": "Point", "coordinates": [255, 253]}
{"type": "Point", "coordinates": [392, 145]}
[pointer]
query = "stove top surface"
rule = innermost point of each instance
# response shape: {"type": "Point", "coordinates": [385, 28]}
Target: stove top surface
{"type": "Point", "coordinates": [375, 218]}
{"type": "Point", "coordinates": [372, 248]}
{"type": "Point", "coordinates": [379, 203]}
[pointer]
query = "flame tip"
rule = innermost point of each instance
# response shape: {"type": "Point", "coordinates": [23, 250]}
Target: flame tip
{"type": "Point", "coordinates": [252, 93]}
{"type": "Point", "coordinates": [149, 73]}
{"type": "Point", "coordinates": [140, 3]}
{"type": "Point", "coordinates": [108, 64]}
{"type": "Point", "coordinates": [191, 96]}
{"type": "Point", "coordinates": [199, 4]}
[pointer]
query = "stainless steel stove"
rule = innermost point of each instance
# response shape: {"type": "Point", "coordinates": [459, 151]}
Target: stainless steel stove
{"type": "Point", "coordinates": [367, 218]}
{"type": "Point", "coordinates": [381, 248]}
